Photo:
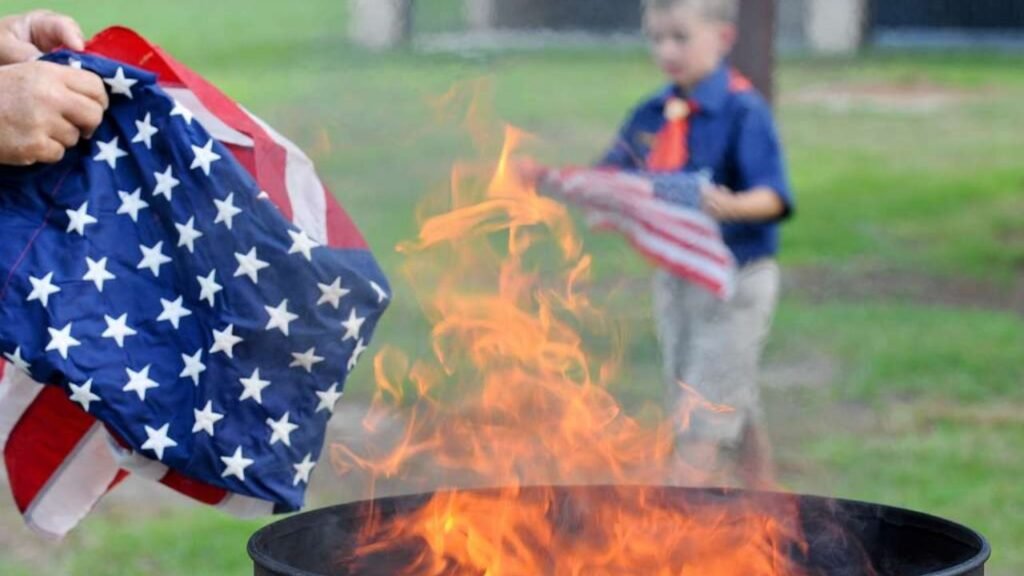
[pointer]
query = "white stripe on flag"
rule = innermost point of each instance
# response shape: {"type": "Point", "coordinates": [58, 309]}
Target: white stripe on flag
{"type": "Point", "coordinates": [686, 226]}
{"type": "Point", "coordinates": [138, 464]}
{"type": "Point", "coordinates": [214, 125]}
{"type": "Point", "coordinates": [306, 193]}
{"type": "Point", "coordinates": [245, 506]}
{"type": "Point", "coordinates": [657, 246]}
{"type": "Point", "coordinates": [17, 392]}
{"type": "Point", "coordinates": [74, 489]}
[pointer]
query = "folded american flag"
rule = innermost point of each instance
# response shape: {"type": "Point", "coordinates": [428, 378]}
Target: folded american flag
{"type": "Point", "coordinates": [659, 214]}
{"type": "Point", "coordinates": [187, 293]}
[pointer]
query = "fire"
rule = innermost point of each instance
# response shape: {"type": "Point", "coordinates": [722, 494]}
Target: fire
{"type": "Point", "coordinates": [514, 395]}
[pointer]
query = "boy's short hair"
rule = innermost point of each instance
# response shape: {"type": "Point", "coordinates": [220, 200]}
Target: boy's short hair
{"type": "Point", "coordinates": [720, 10]}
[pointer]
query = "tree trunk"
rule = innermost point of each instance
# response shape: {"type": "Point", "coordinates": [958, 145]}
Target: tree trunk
{"type": "Point", "coordinates": [755, 52]}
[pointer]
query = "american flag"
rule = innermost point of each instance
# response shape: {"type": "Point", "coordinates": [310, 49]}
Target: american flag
{"type": "Point", "coordinates": [659, 214]}
{"type": "Point", "coordinates": [180, 297]}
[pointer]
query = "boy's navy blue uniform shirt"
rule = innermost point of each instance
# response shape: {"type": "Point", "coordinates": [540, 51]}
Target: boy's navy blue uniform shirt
{"type": "Point", "coordinates": [732, 139]}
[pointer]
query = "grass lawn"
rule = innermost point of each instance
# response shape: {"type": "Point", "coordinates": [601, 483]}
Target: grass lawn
{"type": "Point", "coordinates": [907, 167]}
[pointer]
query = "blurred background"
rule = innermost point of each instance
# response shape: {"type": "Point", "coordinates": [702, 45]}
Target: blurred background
{"type": "Point", "coordinates": [894, 370]}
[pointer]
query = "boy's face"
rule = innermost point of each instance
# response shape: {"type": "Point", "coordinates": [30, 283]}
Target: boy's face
{"type": "Point", "coordinates": [687, 45]}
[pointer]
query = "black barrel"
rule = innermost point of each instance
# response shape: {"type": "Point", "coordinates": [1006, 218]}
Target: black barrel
{"type": "Point", "coordinates": [842, 536]}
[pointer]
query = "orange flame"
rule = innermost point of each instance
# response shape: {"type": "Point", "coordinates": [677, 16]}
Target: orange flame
{"type": "Point", "coordinates": [515, 395]}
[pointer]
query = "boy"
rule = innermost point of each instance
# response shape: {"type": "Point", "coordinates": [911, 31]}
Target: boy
{"type": "Point", "coordinates": [711, 121]}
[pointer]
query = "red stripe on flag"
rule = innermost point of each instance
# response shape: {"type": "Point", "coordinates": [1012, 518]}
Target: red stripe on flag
{"type": "Point", "coordinates": [74, 488]}
{"type": "Point", "coordinates": [682, 240]}
{"type": "Point", "coordinates": [684, 243]}
{"type": "Point", "coordinates": [127, 46]}
{"type": "Point", "coordinates": [341, 230]}
{"type": "Point", "coordinates": [247, 158]}
{"type": "Point", "coordinates": [122, 44]}
{"type": "Point", "coordinates": [697, 271]}
{"type": "Point", "coordinates": [192, 488]}
{"type": "Point", "coordinates": [678, 216]}
{"type": "Point", "coordinates": [687, 231]}
{"type": "Point", "coordinates": [631, 193]}
{"type": "Point", "coordinates": [686, 234]}
{"type": "Point", "coordinates": [47, 432]}
{"type": "Point", "coordinates": [51, 427]}
{"type": "Point", "coordinates": [713, 285]}
{"type": "Point", "coordinates": [121, 475]}
{"type": "Point", "coordinates": [268, 162]}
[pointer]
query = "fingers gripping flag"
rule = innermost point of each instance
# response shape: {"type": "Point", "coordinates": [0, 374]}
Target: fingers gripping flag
{"type": "Point", "coordinates": [179, 296]}
{"type": "Point", "coordinates": [658, 214]}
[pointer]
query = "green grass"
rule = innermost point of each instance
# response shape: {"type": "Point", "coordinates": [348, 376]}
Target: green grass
{"type": "Point", "coordinates": [937, 194]}
{"type": "Point", "coordinates": [957, 470]}
{"type": "Point", "coordinates": [212, 544]}
{"type": "Point", "coordinates": [11, 569]}
{"type": "Point", "coordinates": [888, 351]}
{"type": "Point", "coordinates": [126, 543]}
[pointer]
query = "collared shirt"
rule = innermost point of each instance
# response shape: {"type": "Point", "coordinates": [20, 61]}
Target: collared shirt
{"type": "Point", "coordinates": [732, 139]}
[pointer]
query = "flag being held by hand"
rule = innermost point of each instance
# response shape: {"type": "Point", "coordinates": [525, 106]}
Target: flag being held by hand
{"type": "Point", "coordinates": [179, 297]}
{"type": "Point", "coordinates": [660, 216]}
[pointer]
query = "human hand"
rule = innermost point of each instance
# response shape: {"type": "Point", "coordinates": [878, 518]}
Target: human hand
{"type": "Point", "coordinates": [46, 108]}
{"type": "Point", "coordinates": [27, 36]}
{"type": "Point", "coordinates": [720, 203]}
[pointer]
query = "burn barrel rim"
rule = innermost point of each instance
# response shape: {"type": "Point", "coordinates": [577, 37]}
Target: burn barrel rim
{"type": "Point", "coordinates": [267, 563]}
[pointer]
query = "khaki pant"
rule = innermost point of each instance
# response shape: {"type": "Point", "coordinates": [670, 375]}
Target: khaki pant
{"type": "Point", "coordinates": [714, 347]}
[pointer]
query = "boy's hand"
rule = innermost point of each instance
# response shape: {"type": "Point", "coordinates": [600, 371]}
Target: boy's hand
{"type": "Point", "coordinates": [754, 205]}
{"type": "Point", "coordinates": [720, 203]}
{"type": "Point", "coordinates": [27, 36]}
{"type": "Point", "coordinates": [46, 108]}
